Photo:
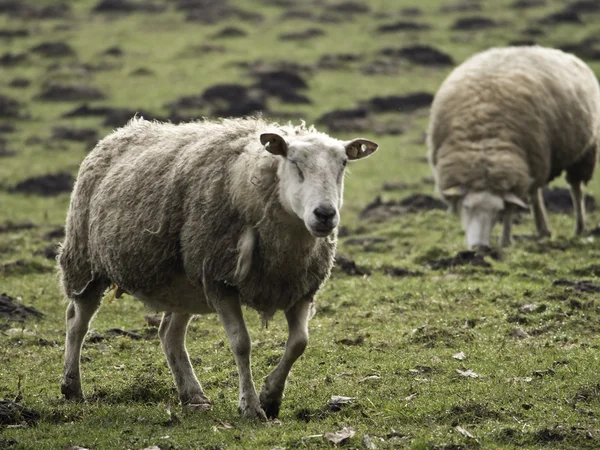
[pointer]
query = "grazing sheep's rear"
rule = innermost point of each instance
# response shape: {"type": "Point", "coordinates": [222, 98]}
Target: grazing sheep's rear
{"type": "Point", "coordinates": [204, 217]}
{"type": "Point", "coordinates": [504, 124]}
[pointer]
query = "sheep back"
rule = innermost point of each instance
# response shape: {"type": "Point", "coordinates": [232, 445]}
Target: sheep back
{"type": "Point", "coordinates": [510, 119]}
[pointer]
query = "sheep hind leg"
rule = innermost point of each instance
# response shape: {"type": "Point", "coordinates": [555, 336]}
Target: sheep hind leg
{"type": "Point", "coordinates": [230, 314]}
{"type": "Point", "coordinates": [506, 236]}
{"type": "Point", "coordinates": [579, 207]}
{"type": "Point", "coordinates": [78, 317]}
{"type": "Point", "coordinates": [272, 391]}
{"type": "Point", "coordinates": [172, 331]}
{"type": "Point", "coordinates": [539, 213]}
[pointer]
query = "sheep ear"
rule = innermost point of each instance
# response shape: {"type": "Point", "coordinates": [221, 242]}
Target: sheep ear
{"type": "Point", "coordinates": [274, 143]}
{"type": "Point", "coordinates": [513, 199]}
{"type": "Point", "coordinates": [452, 196]}
{"type": "Point", "coordinates": [359, 148]}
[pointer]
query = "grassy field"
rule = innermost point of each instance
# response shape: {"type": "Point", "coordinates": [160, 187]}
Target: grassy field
{"type": "Point", "coordinates": [500, 354]}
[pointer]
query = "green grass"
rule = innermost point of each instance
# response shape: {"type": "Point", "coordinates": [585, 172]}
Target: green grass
{"type": "Point", "coordinates": [534, 390]}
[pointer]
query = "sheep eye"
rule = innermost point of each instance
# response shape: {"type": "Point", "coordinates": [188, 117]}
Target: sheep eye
{"type": "Point", "coordinates": [300, 174]}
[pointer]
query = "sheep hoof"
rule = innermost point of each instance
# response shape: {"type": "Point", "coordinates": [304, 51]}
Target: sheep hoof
{"type": "Point", "coordinates": [198, 403]}
{"type": "Point", "coordinates": [270, 404]}
{"type": "Point", "coordinates": [72, 393]}
{"type": "Point", "coordinates": [252, 412]}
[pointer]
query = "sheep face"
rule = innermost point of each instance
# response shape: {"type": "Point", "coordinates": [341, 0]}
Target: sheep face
{"type": "Point", "coordinates": [311, 176]}
{"type": "Point", "coordinates": [479, 211]}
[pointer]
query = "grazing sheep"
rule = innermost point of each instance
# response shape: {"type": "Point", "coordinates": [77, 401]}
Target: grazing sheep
{"type": "Point", "coordinates": [206, 217]}
{"type": "Point", "coordinates": [504, 124]}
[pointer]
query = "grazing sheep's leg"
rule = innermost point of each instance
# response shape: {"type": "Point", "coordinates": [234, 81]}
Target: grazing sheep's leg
{"type": "Point", "coordinates": [172, 331]}
{"type": "Point", "coordinates": [272, 392]}
{"type": "Point", "coordinates": [230, 313]}
{"type": "Point", "coordinates": [539, 213]}
{"type": "Point", "coordinates": [578, 206]}
{"type": "Point", "coordinates": [506, 236]}
{"type": "Point", "coordinates": [78, 317]}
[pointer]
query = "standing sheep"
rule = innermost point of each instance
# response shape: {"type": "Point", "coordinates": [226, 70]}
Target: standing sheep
{"type": "Point", "coordinates": [503, 125]}
{"type": "Point", "coordinates": [205, 217]}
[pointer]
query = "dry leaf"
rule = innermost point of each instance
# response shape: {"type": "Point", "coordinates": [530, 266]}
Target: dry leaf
{"type": "Point", "coordinates": [467, 373]}
{"type": "Point", "coordinates": [339, 436]}
{"type": "Point", "coordinates": [460, 356]}
{"type": "Point", "coordinates": [464, 432]}
{"type": "Point", "coordinates": [410, 397]}
{"type": "Point", "coordinates": [370, 378]}
{"type": "Point", "coordinates": [337, 401]}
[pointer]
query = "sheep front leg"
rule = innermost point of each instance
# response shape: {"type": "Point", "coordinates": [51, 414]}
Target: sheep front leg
{"type": "Point", "coordinates": [172, 331]}
{"type": "Point", "coordinates": [230, 314]}
{"type": "Point", "coordinates": [539, 213]}
{"type": "Point", "coordinates": [272, 392]}
{"type": "Point", "coordinates": [506, 236]}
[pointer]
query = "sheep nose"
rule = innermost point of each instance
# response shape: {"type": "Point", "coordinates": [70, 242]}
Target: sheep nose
{"type": "Point", "coordinates": [325, 214]}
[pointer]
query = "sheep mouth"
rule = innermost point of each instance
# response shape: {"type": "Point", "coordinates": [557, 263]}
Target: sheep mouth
{"type": "Point", "coordinates": [321, 231]}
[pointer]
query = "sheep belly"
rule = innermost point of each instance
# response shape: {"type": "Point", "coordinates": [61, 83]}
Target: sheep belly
{"type": "Point", "coordinates": [179, 296]}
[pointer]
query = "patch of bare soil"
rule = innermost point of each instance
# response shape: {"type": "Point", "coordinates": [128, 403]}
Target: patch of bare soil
{"type": "Point", "coordinates": [423, 55]}
{"type": "Point", "coordinates": [403, 103]}
{"type": "Point", "coordinates": [10, 227]}
{"type": "Point", "coordinates": [379, 210]}
{"type": "Point", "coordinates": [523, 4]}
{"type": "Point", "coordinates": [128, 6]}
{"type": "Point", "coordinates": [282, 84]}
{"type": "Point", "coordinates": [348, 266]}
{"type": "Point", "coordinates": [474, 23]}
{"type": "Point", "coordinates": [67, 133]}
{"type": "Point", "coordinates": [303, 35]}
{"type": "Point", "coordinates": [10, 108]}
{"type": "Point", "coordinates": [14, 33]}
{"type": "Point", "coordinates": [53, 50]}
{"type": "Point", "coordinates": [5, 151]}
{"type": "Point", "coordinates": [56, 233]}
{"type": "Point", "coordinates": [69, 93]}
{"type": "Point", "coordinates": [464, 6]}
{"type": "Point", "coordinates": [229, 32]}
{"type": "Point", "coordinates": [581, 286]}
{"type": "Point", "coordinates": [45, 185]}
{"type": "Point", "coordinates": [336, 61]}
{"type": "Point", "coordinates": [10, 59]}
{"type": "Point", "coordinates": [213, 11]}
{"type": "Point", "coordinates": [558, 200]}
{"type": "Point", "coordinates": [588, 49]}
{"type": "Point", "coordinates": [393, 271]}
{"type": "Point", "coordinates": [565, 16]}
{"type": "Point", "coordinates": [49, 252]}
{"type": "Point", "coordinates": [20, 82]}
{"type": "Point", "coordinates": [348, 7]}
{"type": "Point", "coordinates": [113, 117]}
{"type": "Point", "coordinates": [462, 258]}
{"type": "Point", "coordinates": [12, 413]}
{"type": "Point", "coordinates": [584, 6]}
{"type": "Point", "coordinates": [340, 120]}
{"type": "Point", "coordinates": [27, 10]}
{"type": "Point", "coordinates": [403, 25]}
{"type": "Point", "coordinates": [12, 309]}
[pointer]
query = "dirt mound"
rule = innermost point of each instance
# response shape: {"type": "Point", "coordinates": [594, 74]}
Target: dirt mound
{"type": "Point", "coordinates": [581, 286]}
{"type": "Point", "coordinates": [49, 252]}
{"type": "Point", "coordinates": [348, 7]}
{"type": "Point", "coordinates": [12, 309]}
{"type": "Point", "coordinates": [10, 108]}
{"type": "Point", "coordinates": [114, 51]}
{"type": "Point", "coordinates": [128, 6]}
{"type": "Point", "coordinates": [46, 185]}
{"type": "Point", "coordinates": [348, 266]}
{"type": "Point", "coordinates": [393, 271]}
{"type": "Point", "coordinates": [466, 6]}
{"type": "Point", "coordinates": [584, 6]}
{"type": "Point", "coordinates": [564, 16]}
{"type": "Point", "coordinates": [75, 134]}
{"type": "Point", "coordinates": [303, 35]}
{"type": "Point", "coordinates": [340, 120]}
{"type": "Point", "coordinates": [53, 50]}
{"type": "Point", "coordinates": [523, 4]}
{"type": "Point", "coordinates": [24, 10]}
{"type": "Point", "coordinates": [474, 23]}
{"type": "Point", "coordinates": [113, 117]}
{"type": "Point", "coordinates": [558, 200]}
{"type": "Point", "coordinates": [403, 103]}
{"type": "Point", "coordinates": [379, 210]}
{"type": "Point", "coordinates": [20, 82]}
{"type": "Point", "coordinates": [588, 49]}
{"type": "Point", "coordinates": [282, 84]}
{"type": "Point", "coordinates": [10, 59]}
{"type": "Point", "coordinates": [57, 233]}
{"type": "Point", "coordinates": [403, 26]}
{"type": "Point", "coordinates": [14, 33]}
{"type": "Point", "coordinates": [12, 413]}
{"type": "Point", "coordinates": [230, 32]}
{"type": "Point", "coordinates": [213, 11]}
{"type": "Point", "coordinates": [5, 151]}
{"type": "Point", "coordinates": [420, 54]}
{"type": "Point", "coordinates": [69, 93]}
{"type": "Point", "coordinates": [10, 227]}
{"type": "Point", "coordinates": [463, 258]}
{"type": "Point", "coordinates": [337, 60]}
